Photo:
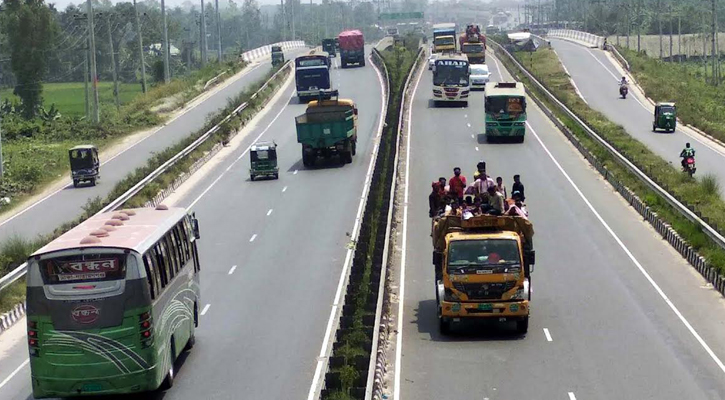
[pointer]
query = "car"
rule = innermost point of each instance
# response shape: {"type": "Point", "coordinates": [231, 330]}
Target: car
{"type": "Point", "coordinates": [479, 76]}
{"type": "Point", "coordinates": [432, 60]}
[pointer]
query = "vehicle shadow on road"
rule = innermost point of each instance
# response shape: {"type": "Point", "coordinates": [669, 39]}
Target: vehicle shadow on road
{"type": "Point", "coordinates": [320, 163]}
{"type": "Point", "coordinates": [445, 104]}
{"type": "Point", "coordinates": [467, 331]}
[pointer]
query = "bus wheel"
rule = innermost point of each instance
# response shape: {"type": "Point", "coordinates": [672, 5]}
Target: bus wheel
{"type": "Point", "coordinates": [169, 380]}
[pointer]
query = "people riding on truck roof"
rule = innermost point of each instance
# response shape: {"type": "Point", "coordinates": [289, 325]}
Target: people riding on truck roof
{"type": "Point", "coordinates": [457, 183]}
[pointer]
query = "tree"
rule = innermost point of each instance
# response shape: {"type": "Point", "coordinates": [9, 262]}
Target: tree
{"type": "Point", "coordinates": [30, 28]}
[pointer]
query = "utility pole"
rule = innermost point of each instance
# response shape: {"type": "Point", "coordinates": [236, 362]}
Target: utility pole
{"type": "Point", "coordinates": [85, 76]}
{"type": "Point", "coordinates": [714, 48]}
{"type": "Point", "coordinates": [94, 73]}
{"type": "Point", "coordinates": [204, 58]}
{"type": "Point", "coordinates": [284, 21]}
{"type": "Point", "coordinates": [679, 36]}
{"type": "Point", "coordinates": [140, 48]}
{"type": "Point", "coordinates": [113, 63]}
{"type": "Point", "coordinates": [218, 31]}
{"type": "Point", "coordinates": [293, 20]}
{"type": "Point", "coordinates": [165, 44]}
{"type": "Point", "coordinates": [669, 14]}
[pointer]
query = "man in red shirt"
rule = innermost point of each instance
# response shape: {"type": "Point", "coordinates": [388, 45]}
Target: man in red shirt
{"type": "Point", "coordinates": [457, 184]}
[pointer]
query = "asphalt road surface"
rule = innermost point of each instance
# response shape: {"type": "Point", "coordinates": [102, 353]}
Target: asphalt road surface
{"type": "Point", "coordinates": [601, 326]}
{"type": "Point", "coordinates": [272, 253]}
{"type": "Point", "coordinates": [597, 80]}
{"type": "Point", "coordinates": [65, 205]}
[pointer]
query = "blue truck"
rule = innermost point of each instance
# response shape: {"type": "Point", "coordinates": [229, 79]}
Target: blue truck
{"type": "Point", "coordinates": [312, 76]}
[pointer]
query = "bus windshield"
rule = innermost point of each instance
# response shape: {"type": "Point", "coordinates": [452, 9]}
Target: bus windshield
{"type": "Point", "coordinates": [83, 267]}
{"type": "Point", "coordinates": [512, 105]}
{"type": "Point", "coordinates": [451, 73]}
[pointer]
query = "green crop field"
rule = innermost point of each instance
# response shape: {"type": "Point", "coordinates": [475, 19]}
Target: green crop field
{"type": "Point", "coordinates": [70, 100]}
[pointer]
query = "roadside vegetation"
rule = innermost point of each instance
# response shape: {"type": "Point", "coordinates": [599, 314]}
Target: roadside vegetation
{"type": "Point", "coordinates": [351, 354]}
{"type": "Point", "coordinates": [15, 251]}
{"type": "Point", "coordinates": [699, 103]}
{"type": "Point", "coordinates": [701, 194]}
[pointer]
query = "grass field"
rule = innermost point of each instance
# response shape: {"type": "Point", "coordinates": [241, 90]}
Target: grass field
{"type": "Point", "coordinates": [69, 98]}
{"type": "Point", "coordinates": [692, 45]}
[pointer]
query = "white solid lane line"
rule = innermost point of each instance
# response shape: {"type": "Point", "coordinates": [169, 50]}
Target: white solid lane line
{"type": "Point", "coordinates": [269, 212]}
{"type": "Point", "coordinates": [404, 244]}
{"type": "Point", "coordinates": [348, 255]}
{"type": "Point", "coordinates": [629, 254]}
{"type": "Point", "coordinates": [206, 308]}
{"type": "Point", "coordinates": [6, 380]}
{"type": "Point", "coordinates": [231, 271]}
{"type": "Point", "coordinates": [548, 335]}
{"type": "Point", "coordinates": [571, 396]}
{"type": "Point", "coordinates": [252, 238]}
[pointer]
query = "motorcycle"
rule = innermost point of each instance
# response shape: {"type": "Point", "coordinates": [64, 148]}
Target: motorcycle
{"type": "Point", "coordinates": [689, 166]}
{"type": "Point", "coordinates": [623, 91]}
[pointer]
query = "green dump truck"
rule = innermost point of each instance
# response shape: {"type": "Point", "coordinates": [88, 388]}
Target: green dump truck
{"type": "Point", "coordinates": [328, 127]}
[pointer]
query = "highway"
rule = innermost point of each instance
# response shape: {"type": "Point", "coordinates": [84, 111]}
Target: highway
{"type": "Point", "coordinates": [272, 254]}
{"type": "Point", "coordinates": [616, 313]}
{"type": "Point", "coordinates": [65, 205]}
{"type": "Point", "coordinates": [596, 76]}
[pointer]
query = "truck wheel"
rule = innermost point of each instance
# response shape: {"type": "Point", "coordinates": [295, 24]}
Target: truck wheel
{"type": "Point", "coordinates": [522, 326]}
{"type": "Point", "coordinates": [520, 139]}
{"type": "Point", "coordinates": [75, 183]}
{"type": "Point", "coordinates": [444, 326]}
{"type": "Point", "coordinates": [307, 159]}
{"type": "Point", "coordinates": [251, 177]}
{"type": "Point", "coordinates": [362, 63]}
{"type": "Point", "coordinates": [93, 181]}
{"type": "Point", "coordinates": [346, 157]}
{"type": "Point", "coordinates": [276, 175]}
{"type": "Point", "coordinates": [343, 64]}
{"type": "Point", "coordinates": [354, 147]}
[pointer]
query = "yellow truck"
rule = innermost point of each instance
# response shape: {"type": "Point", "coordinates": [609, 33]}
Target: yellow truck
{"type": "Point", "coordinates": [483, 268]}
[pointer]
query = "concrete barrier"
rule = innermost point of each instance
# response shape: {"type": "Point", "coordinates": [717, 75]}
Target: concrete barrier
{"type": "Point", "coordinates": [580, 37]}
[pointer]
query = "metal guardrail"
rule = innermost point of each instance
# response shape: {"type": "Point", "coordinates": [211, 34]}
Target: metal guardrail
{"type": "Point", "coordinates": [619, 56]}
{"type": "Point", "coordinates": [716, 236]}
{"type": "Point", "coordinates": [20, 271]}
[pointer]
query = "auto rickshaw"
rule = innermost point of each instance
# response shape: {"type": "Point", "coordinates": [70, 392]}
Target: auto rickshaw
{"type": "Point", "coordinates": [277, 56]}
{"type": "Point", "coordinates": [665, 117]}
{"type": "Point", "coordinates": [84, 164]}
{"type": "Point", "coordinates": [263, 156]}
{"type": "Point", "coordinates": [328, 45]}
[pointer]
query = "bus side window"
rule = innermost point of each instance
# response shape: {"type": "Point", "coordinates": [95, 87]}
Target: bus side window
{"type": "Point", "coordinates": [181, 243]}
{"type": "Point", "coordinates": [174, 250]}
{"type": "Point", "coordinates": [163, 263]}
{"type": "Point", "coordinates": [151, 275]}
{"type": "Point", "coordinates": [171, 257]}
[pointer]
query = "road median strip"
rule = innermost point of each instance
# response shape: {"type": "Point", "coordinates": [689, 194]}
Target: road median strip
{"type": "Point", "coordinates": [701, 198]}
{"type": "Point", "coordinates": [354, 367]}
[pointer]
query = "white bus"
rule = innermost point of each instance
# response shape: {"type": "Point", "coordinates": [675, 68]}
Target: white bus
{"type": "Point", "coordinates": [451, 78]}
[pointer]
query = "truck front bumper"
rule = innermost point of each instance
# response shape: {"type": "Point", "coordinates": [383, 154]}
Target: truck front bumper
{"type": "Point", "coordinates": [510, 310]}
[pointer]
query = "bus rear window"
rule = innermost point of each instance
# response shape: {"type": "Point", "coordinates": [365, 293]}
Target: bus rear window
{"type": "Point", "coordinates": [83, 268]}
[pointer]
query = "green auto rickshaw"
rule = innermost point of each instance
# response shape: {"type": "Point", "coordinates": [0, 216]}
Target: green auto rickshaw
{"type": "Point", "coordinates": [263, 156]}
{"type": "Point", "coordinates": [84, 164]}
{"type": "Point", "coordinates": [665, 117]}
{"type": "Point", "coordinates": [277, 56]}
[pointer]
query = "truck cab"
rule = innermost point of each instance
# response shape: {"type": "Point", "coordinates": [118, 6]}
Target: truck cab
{"type": "Point", "coordinates": [483, 269]}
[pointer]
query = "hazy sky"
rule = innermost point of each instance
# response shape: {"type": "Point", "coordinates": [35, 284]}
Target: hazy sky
{"type": "Point", "coordinates": [62, 4]}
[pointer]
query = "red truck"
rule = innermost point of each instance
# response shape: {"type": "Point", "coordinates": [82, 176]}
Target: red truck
{"type": "Point", "coordinates": [352, 48]}
{"type": "Point", "coordinates": [473, 44]}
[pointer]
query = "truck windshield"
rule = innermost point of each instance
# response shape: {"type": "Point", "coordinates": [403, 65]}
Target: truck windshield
{"type": "Point", "coordinates": [442, 41]}
{"type": "Point", "coordinates": [453, 75]}
{"type": "Point", "coordinates": [466, 253]}
{"type": "Point", "coordinates": [473, 48]}
{"type": "Point", "coordinates": [512, 105]}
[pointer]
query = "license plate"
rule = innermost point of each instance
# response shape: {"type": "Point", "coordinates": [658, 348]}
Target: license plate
{"type": "Point", "coordinates": [485, 307]}
{"type": "Point", "coordinates": [92, 387]}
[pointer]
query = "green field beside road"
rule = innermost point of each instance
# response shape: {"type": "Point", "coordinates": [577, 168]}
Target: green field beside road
{"type": "Point", "coordinates": [70, 100]}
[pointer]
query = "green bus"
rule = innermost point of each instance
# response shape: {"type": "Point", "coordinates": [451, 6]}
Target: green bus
{"type": "Point", "coordinates": [505, 105]}
{"type": "Point", "coordinates": [113, 302]}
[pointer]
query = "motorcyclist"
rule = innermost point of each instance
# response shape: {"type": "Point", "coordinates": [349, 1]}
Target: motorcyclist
{"type": "Point", "coordinates": [623, 82]}
{"type": "Point", "coordinates": [686, 153]}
